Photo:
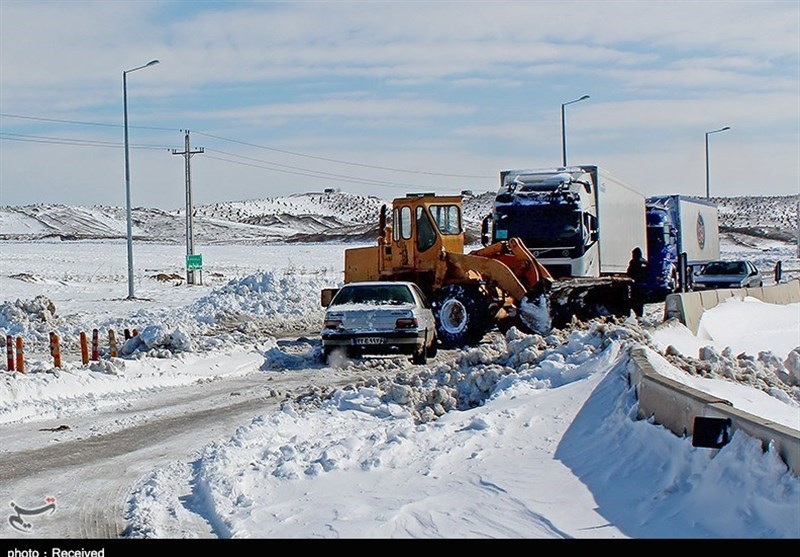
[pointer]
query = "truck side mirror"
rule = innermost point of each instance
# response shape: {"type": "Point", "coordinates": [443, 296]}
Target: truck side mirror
{"type": "Point", "coordinates": [485, 230]}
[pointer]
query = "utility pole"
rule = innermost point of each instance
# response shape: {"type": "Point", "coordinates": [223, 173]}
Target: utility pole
{"type": "Point", "coordinates": [187, 155]}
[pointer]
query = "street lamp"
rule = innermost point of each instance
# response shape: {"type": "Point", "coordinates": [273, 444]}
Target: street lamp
{"type": "Point", "coordinates": [128, 175]}
{"type": "Point", "coordinates": [563, 130]}
{"type": "Point", "coordinates": [708, 192]}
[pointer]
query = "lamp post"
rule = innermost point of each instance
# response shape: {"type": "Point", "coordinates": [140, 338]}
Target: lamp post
{"type": "Point", "coordinates": [128, 175]}
{"type": "Point", "coordinates": [564, 132]}
{"type": "Point", "coordinates": [708, 192]}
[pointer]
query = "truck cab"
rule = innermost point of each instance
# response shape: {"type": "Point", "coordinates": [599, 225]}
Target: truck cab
{"type": "Point", "coordinates": [554, 214]}
{"type": "Point", "coordinates": [578, 221]}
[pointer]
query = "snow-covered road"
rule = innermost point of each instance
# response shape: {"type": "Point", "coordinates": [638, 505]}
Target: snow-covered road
{"type": "Point", "coordinates": [91, 455]}
{"type": "Point", "coordinates": [221, 420]}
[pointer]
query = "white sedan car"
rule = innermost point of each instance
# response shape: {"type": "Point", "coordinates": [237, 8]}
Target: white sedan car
{"type": "Point", "coordinates": [380, 318]}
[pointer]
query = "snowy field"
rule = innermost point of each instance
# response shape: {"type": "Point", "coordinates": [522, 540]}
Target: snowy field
{"type": "Point", "coordinates": [519, 437]}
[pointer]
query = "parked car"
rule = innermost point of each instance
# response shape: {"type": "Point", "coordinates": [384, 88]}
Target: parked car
{"type": "Point", "coordinates": [380, 318]}
{"type": "Point", "coordinates": [728, 274]}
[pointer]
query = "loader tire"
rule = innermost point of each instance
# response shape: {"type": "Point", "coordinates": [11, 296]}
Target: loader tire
{"type": "Point", "coordinates": [462, 315]}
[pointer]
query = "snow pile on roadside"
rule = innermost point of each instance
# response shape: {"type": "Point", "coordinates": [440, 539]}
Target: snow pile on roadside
{"type": "Point", "coordinates": [243, 311]}
{"type": "Point", "coordinates": [34, 317]}
{"type": "Point", "coordinates": [262, 304]}
{"type": "Point", "coordinates": [373, 424]}
{"type": "Point", "coordinates": [44, 392]}
{"type": "Point", "coordinates": [418, 427]}
{"type": "Point", "coordinates": [742, 357]}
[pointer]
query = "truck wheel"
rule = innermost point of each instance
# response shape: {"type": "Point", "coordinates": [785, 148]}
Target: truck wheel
{"type": "Point", "coordinates": [461, 315]}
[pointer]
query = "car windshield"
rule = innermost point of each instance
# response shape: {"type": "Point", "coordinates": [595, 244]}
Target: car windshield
{"type": "Point", "coordinates": [379, 294]}
{"type": "Point", "coordinates": [725, 268]}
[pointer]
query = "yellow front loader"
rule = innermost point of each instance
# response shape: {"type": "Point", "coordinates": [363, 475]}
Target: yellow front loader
{"type": "Point", "coordinates": [422, 240]}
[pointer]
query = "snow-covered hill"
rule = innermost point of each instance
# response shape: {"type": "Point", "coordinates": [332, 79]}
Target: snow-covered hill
{"type": "Point", "coordinates": [330, 215]}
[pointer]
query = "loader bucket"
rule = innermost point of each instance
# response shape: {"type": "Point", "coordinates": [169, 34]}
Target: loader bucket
{"type": "Point", "coordinates": [513, 253]}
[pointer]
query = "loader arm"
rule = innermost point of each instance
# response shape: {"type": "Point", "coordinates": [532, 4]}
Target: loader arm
{"type": "Point", "coordinates": [520, 261]}
{"type": "Point", "coordinates": [490, 269]}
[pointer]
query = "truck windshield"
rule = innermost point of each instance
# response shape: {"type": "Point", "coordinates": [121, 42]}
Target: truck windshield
{"type": "Point", "coordinates": [540, 225]}
{"type": "Point", "coordinates": [536, 182]}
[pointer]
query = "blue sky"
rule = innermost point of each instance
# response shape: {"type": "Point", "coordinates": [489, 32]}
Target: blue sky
{"type": "Point", "coordinates": [385, 98]}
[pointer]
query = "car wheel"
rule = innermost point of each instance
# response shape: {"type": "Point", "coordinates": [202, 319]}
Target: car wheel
{"type": "Point", "coordinates": [461, 315]}
{"type": "Point", "coordinates": [420, 356]}
{"type": "Point", "coordinates": [433, 349]}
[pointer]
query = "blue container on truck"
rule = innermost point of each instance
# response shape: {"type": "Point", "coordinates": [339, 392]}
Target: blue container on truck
{"type": "Point", "coordinates": [678, 224]}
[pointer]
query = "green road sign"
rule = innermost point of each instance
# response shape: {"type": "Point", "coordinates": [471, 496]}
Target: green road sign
{"type": "Point", "coordinates": [194, 262]}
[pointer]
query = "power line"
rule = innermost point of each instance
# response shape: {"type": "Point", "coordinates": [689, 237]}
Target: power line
{"type": "Point", "coordinates": [284, 168]}
{"type": "Point", "coordinates": [311, 174]}
{"type": "Point", "coordinates": [315, 173]}
{"type": "Point", "coordinates": [80, 123]}
{"type": "Point", "coordinates": [341, 161]}
{"type": "Point", "coordinates": [69, 141]}
{"type": "Point", "coordinates": [273, 149]}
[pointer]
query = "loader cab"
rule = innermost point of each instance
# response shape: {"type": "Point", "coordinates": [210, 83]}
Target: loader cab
{"type": "Point", "coordinates": [422, 227]}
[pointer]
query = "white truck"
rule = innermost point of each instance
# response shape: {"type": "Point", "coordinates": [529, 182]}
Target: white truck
{"type": "Point", "coordinates": [579, 221]}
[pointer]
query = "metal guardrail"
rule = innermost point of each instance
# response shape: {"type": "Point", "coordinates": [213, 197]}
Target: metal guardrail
{"type": "Point", "coordinates": [676, 406]}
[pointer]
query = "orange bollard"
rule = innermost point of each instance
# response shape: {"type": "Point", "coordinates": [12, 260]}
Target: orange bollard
{"type": "Point", "coordinates": [112, 343]}
{"type": "Point", "coordinates": [10, 353]}
{"type": "Point", "coordinates": [95, 345]}
{"type": "Point", "coordinates": [20, 356]}
{"type": "Point", "coordinates": [84, 349]}
{"type": "Point", "coordinates": [55, 350]}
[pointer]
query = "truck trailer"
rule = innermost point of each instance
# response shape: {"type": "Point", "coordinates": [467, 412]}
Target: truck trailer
{"type": "Point", "coordinates": [676, 225]}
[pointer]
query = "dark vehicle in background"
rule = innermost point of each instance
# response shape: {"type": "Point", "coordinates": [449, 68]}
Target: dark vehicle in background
{"type": "Point", "coordinates": [380, 318]}
{"type": "Point", "coordinates": [728, 274]}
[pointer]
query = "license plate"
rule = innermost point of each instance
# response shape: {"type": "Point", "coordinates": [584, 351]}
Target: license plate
{"type": "Point", "coordinates": [368, 340]}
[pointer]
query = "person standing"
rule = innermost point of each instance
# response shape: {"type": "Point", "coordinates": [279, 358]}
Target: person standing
{"type": "Point", "coordinates": [637, 270]}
